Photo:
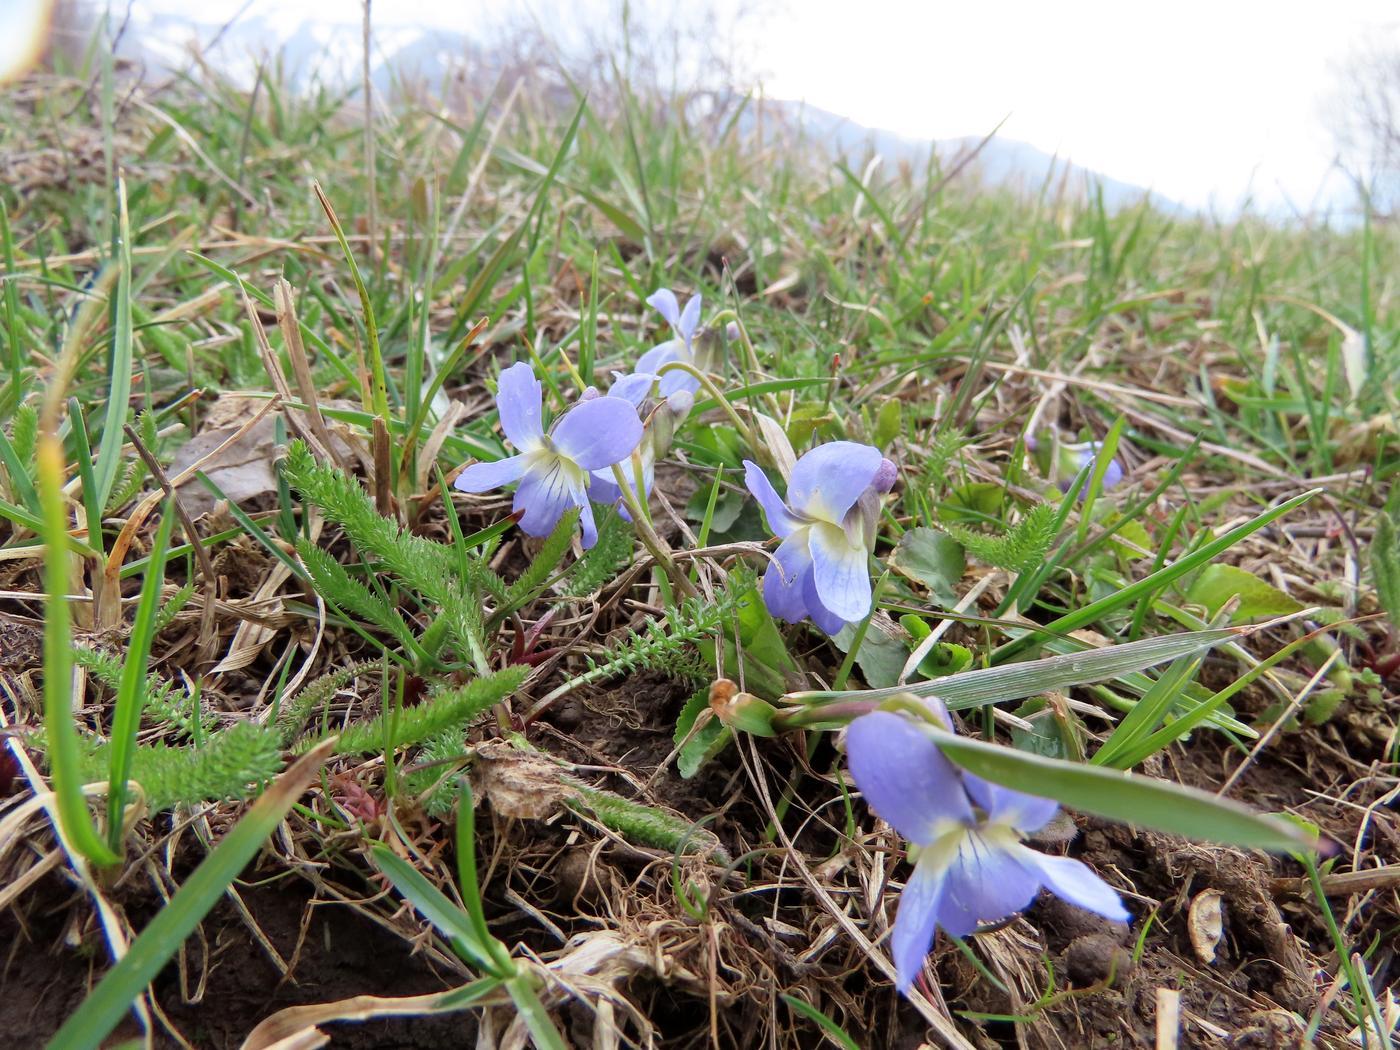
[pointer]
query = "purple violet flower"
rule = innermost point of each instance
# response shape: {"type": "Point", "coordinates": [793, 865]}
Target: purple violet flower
{"type": "Point", "coordinates": [553, 469]}
{"type": "Point", "coordinates": [965, 840]}
{"type": "Point", "coordinates": [681, 348]}
{"type": "Point", "coordinates": [1074, 458]}
{"type": "Point", "coordinates": [821, 569]}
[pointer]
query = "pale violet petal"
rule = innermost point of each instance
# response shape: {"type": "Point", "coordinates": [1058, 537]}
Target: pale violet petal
{"type": "Point", "coordinates": [915, 923]}
{"type": "Point", "coordinates": [1113, 474]}
{"type": "Point", "coordinates": [520, 400]}
{"type": "Point", "coordinates": [585, 518]}
{"type": "Point", "coordinates": [663, 300]}
{"type": "Point", "coordinates": [986, 882]}
{"type": "Point", "coordinates": [633, 388]}
{"type": "Point", "coordinates": [780, 520]}
{"type": "Point", "coordinates": [1003, 805]}
{"type": "Point", "coordinates": [905, 778]}
{"type": "Point", "coordinates": [660, 354]}
{"type": "Point", "coordinates": [598, 433]}
{"type": "Point", "coordinates": [603, 487]}
{"type": "Point", "coordinates": [1075, 881]}
{"type": "Point", "coordinates": [678, 382]}
{"type": "Point", "coordinates": [827, 481]}
{"type": "Point", "coordinates": [690, 319]}
{"type": "Point", "coordinates": [483, 477]}
{"type": "Point", "coordinates": [785, 577]}
{"type": "Point", "coordinates": [841, 573]}
{"type": "Point", "coordinates": [544, 495]}
{"type": "Point", "coordinates": [826, 620]}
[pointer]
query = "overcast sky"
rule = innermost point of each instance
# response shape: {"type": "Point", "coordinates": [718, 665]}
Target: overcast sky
{"type": "Point", "coordinates": [1203, 102]}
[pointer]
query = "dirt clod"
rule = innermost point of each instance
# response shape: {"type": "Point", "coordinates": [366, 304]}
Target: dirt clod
{"type": "Point", "coordinates": [1097, 958]}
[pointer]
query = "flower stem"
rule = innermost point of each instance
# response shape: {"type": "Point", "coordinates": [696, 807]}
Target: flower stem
{"type": "Point", "coordinates": [727, 315]}
{"type": "Point", "coordinates": [839, 682]}
{"type": "Point", "coordinates": [714, 392]}
{"type": "Point", "coordinates": [654, 544]}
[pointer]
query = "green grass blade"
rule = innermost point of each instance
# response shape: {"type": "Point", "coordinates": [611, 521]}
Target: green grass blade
{"type": "Point", "coordinates": [119, 362]}
{"type": "Point", "coordinates": [1149, 713]}
{"type": "Point", "coordinates": [449, 919]}
{"type": "Point", "coordinates": [59, 730]}
{"type": "Point", "coordinates": [14, 389]}
{"type": "Point", "coordinates": [103, 1009]}
{"type": "Point", "coordinates": [834, 1031]}
{"type": "Point", "coordinates": [1177, 569]}
{"type": "Point", "coordinates": [252, 528]}
{"type": "Point", "coordinates": [379, 389]}
{"type": "Point", "coordinates": [542, 1029]}
{"type": "Point", "coordinates": [1127, 797]}
{"type": "Point", "coordinates": [82, 449]}
{"type": "Point", "coordinates": [990, 684]}
{"type": "Point", "coordinates": [471, 888]}
{"type": "Point", "coordinates": [126, 716]}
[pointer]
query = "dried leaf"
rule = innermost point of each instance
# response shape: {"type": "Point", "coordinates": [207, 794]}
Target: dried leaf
{"type": "Point", "coordinates": [518, 783]}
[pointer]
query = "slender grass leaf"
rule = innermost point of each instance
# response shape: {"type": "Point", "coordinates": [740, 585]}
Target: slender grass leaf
{"type": "Point", "coordinates": [1127, 797]}
{"type": "Point", "coordinates": [119, 361]}
{"type": "Point", "coordinates": [131, 691]}
{"type": "Point", "coordinates": [837, 1034]}
{"type": "Point", "coordinates": [1148, 584]}
{"type": "Point", "coordinates": [447, 917]}
{"type": "Point", "coordinates": [990, 684]}
{"type": "Point", "coordinates": [60, 732]}
{"type": "Point", "coordinates": [101, 1011]}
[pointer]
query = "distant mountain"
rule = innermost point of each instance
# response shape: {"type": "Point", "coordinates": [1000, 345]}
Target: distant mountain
{"type": "Point", "coordinates": [1001, 162]}
{"type": "Point", "coordinates": [430, 57]}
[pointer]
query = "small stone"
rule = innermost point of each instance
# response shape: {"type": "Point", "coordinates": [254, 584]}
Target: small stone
{"type": "Point", "coordinates": [1096, 958]}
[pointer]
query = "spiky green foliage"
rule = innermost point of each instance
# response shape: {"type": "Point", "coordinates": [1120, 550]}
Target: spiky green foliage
{"type": "Point", "coordinates": [345, 592]}
{"type": "Point", "coordinates": [1021, 548]}
{"type": "Point", "coordinates": [172, 607]}
{"type": "Point", "coordinates": [294, 711]}
{"type": "Point", "coordinates": [662, 645]}
{"type": "Point", "coordinates": [446, 583]}
{"type": "Point", "coordinates": [942, 451]}
{"type": "Point", "coordinates": [451, 708]}
{"type": "Point", "coordinates": [164, 705]}
{"type": "Point", "coordinates": [647, 825]}
{"type": "Point", "coordinates": [24, 433]}
{"type": "Point", "coordinates": [606, 558]}
{"type": "Point", "coordinates": [134, 472]}
{"type": "Point", "coordinates": [545, 562]}
{"type": "Point", "coordinates": [426, 567]}
{"type": "Point", "coordinates": [1385, 565]}
{"type": "Point", "coordinates": [438, 789]}
{"type": "Point", "coordinates": [230, 764]}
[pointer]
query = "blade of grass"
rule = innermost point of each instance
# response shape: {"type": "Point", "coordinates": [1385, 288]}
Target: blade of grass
{"type": "Point", "coordinates": [450, 920]}
{"type": "Point", "coordinates": [126, 716]}
{"type": "Point", "coordinates": [119, 360]}
{"type": "Point", "coordinates": [990, 684]}
{"type": "Point", "coordinates": [101, 1011]}
{"type": "Point", "coordinates": [1126, 797]}
{"type": "Point", "coordinates": [834, 1031]}
{"type": "Point", "coordinates": [59, 730]}
{"type": "Point", "coordinates": [1195, 560]}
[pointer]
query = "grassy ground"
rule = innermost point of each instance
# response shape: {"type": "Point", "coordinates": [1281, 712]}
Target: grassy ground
{"type": "Point", "coordinates": [651, 885]}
